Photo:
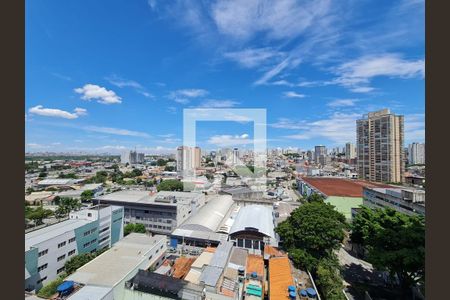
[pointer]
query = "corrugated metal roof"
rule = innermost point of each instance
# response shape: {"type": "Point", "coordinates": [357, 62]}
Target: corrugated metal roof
{"type": "Point", "coordinates": [221, 255]}
{"type": "Point", "coordinates": [258, 217]}
{"type": "Point", "coordinates": [210, 216]}
{"type": "Point", "coordinates": [210, 275]}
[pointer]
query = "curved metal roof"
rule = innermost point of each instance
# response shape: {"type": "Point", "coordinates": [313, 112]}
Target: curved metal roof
{"type": "Point", "coordinates": [210, 216]}
{"type": "Point", "coordinates": [258, 217]}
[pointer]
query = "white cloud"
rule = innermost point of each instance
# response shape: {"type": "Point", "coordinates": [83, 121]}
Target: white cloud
{"type": "Point", "coordinates": [216, 103]}
{"type": "Point", "coordinates": [182, 96]}
{"type": "Point", "coordinates": [250, 58]}
{"type": "Point", "coordinates": [342, 103]}
{"type": "Point", "coordinates": [338, 128]}
{"type": "Point", "coordinates": [292, 94]}
{"type": "Point", "coordinates": [57, 113]}
{"type": "Point", "coordinates": [230, 140]}
{"type": "Point", "coordinates": [414, 128]}
{"type": "Point", "coordinates": [285, 123]}
{"type": "Point", "coordinates": [116, 131]}
{"type": "Point", "coordinates": [101, 94]}
{"type": "Point", "coordinates": [37, 146]}
{"type": "Point", "coordinates": [357, 74]}
{"type": "Point", "coordinates": [362, 89]}
{"type": "Point", "coordinates": [121, 83]}
{"type": "Point", "coordinates": [80, 111]}
{"type": "Point", "coordinates": [277, 69]}
{"type": "Point", "coordinates": [282, 19]}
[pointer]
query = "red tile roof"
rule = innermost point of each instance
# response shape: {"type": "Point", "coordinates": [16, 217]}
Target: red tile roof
{"type": "Point", "coordinates": [340, 186]}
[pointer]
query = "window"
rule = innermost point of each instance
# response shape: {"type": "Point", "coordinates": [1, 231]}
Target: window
{"type": "Point", "coordinates": [89, 214]}
{"type": "Point", "coordinates": [60, 270]}
{"type": "Point", "coordinates": [86, 245]}
{"type": "Point", "coordinates": [61, 257]}
{"type": "Point", "coordinates": [43, 252]}
{"type": "Point", "coordinates": [104, 229]}
{"type": "Point", "coordinates": [62, 244]}
{"type": "Point", "coordinates": [72, 240]}
{"type": "Point", "coordinates": [72, 252]}
{"type": "Point", "coordinates": [87, 233]}
{"type": "Point", "coordinates": [43, 267]}
{"type": "Point", "coordinates": [42, 279]}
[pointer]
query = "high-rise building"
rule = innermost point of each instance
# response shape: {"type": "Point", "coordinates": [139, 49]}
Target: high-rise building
{"type": "Point", "coordinates": [380, 146]}
{"type": "Point", "coordinates": [416, 152]}
{"type": "Point", "coordinates": [235, 157]}
{"type": "Point", "coordinates": [188, 158]}
{"type": "Point", "coordinates": [132, 157]}
{"type": "Point", "coordinates": [350, 151]}
{"type": "Point", "coordinates": [318, 151]}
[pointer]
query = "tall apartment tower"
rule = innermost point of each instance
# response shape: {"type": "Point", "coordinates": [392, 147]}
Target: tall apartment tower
{"type": "Point", "coordinates": [188, 158]}
{"type": "Point", "coordinates": [416, 152]}
{"type": "Point", "coordinates": [318, 152]}
{"type": "Point", "coordinates": [350, 151]}
{"type": "Point", "coordinates": [235, 157]}
{"type": "Point", "coordinates": [380, 147]}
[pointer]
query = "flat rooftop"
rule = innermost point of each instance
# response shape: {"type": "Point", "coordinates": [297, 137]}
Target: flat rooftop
{"type": "Point", "coordinates": [340, 186]}
{"type": "Point", "coordinates": [113, 265]}
{"type": "Point", "coordinates": [145, 197]}
{"type": "Point", "coordinates": [38, 236]}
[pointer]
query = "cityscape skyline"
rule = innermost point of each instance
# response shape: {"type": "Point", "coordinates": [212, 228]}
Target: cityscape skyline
{"type": "Point", "coordinates": [80, 97]}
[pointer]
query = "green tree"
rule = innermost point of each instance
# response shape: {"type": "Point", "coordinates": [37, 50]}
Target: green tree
{"type": "Point", "coordinates": [37, 215]}
{"type": "Point", "coordinates": [130, 227]}
{"type": "Point", "coordinates": [50, 289]}
{"type": "Point", "coordinates": [394, 242]}
{"type": "Point", "coordinates": [169, 168]}
{"type": "Point", "coordinates": [77, 262]}
{"type": "Point", "coordinates": [69, 175]}
{"type": "Point", "coordinates": [87, 195]}
{"type": "Point", "coordinates": [170, 185]}
{"type": "Point", "coordinates": [66, 205]}
{"type": "Point", "coordinates": [316, 228]}
{"type": "Point", "coordinates": [42, 174]}
{"type": "Point", "coordinates": [315, 197]}
{"type": "Point", "coordinates": [329, 279]}
{"type": "Point", "coordinates": [161, 162]}
{"type": "Point", "coordinates": [30, 190]}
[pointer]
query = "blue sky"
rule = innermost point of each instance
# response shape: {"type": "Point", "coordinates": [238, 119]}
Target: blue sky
{"type": "Point", "coordinates": [102, 76]}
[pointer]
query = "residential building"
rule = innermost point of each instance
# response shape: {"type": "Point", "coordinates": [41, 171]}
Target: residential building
{"type": "Point", "coordinates": [188, 158]}
{"type": "Point", "coordinates": [350, 151]}
{"type": "Point", "coordinates": [159, 213]}
{"type": "Point", "coordinates": [416, 152]}
{"type": "Point", "coordinates": [235, 157]}
{"type": "Point", "coordinates": [87, 230]}
{"type": "Point", "coordinates": [380, 147]}
{"type": "Point", "coordinates": [132, 157]}
{"type": "Point", "coordinates": [405, 200]}
{"type": "Point", "coordinates": [115, 267]}
{"type": "Point", "coordinates": [319, 151]}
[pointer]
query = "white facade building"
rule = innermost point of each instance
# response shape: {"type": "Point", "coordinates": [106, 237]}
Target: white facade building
{"type": "Point", "coordinates": [88, 230]}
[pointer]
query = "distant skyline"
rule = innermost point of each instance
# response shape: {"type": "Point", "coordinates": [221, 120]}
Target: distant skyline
{"type": "Point", "coordinates": [104, 76]}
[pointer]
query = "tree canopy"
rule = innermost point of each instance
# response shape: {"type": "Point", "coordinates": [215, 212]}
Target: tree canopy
{"type": "Point", "coordinates": [129, 228]}
{"type": "Point", "coordinates": [37, 214]}
{"type": "Point", "coordinates": [315, 197]}
{"type": "Point", "coordinates": [66, 205]}
{"type": "Point", "coordinates": [395, 242]}
{"type": "Point", "coordinates": [170, 185]}
{"type": "Point", "coordinates": [315, 228]}
{"type": "Point", "coordinates": [310, 234]}
{"type": "Point", "coordinates": [87, 195]}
